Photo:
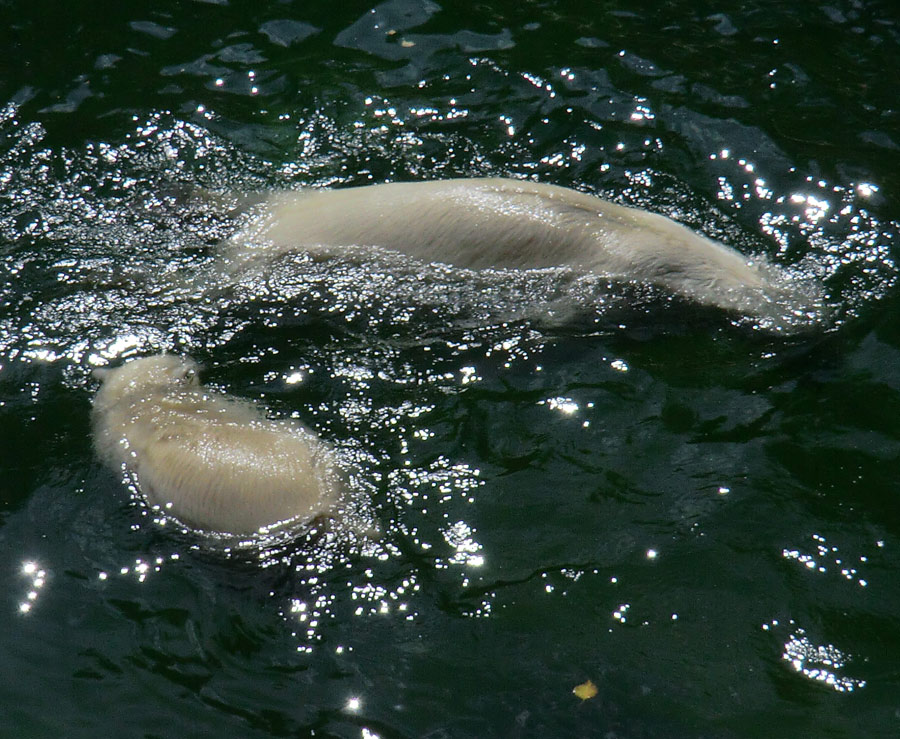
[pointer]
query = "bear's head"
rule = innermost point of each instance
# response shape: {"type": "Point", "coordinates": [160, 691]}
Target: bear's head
{"type": "Point", "coordinates": [140, 375]}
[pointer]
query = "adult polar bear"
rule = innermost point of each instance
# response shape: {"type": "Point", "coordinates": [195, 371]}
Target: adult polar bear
{"type": "Point", "coordinates": [517, 224]}
{"type": "Point", "coordinates": [213, 461]}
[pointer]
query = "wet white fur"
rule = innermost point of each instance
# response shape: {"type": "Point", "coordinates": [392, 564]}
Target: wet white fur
{"type": "Point", "coordinates": [213, 461]}
{"type": "Point", "coordinates": [502, 223]}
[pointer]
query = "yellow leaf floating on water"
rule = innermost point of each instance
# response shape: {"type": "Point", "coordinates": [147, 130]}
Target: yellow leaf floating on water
{"type": "Point", "coordinates": [586, 690]}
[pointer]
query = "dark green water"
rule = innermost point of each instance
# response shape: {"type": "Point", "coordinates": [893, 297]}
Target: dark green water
{"type": "Point", "coordinates": [701, 518]}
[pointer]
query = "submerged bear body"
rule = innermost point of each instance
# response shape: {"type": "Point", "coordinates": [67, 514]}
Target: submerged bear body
{"type": "Point", "coordinates": [212, 461]}
{"type": "Point", "coordinates": [514, 224]}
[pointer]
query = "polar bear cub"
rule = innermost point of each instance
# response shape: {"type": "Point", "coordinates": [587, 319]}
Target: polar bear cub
{"type": "Point", "coordinates": [212, 461]}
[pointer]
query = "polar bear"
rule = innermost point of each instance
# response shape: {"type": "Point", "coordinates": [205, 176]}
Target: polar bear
{"type": "Point", "coordinates": [212, 461]}
{"type": "Point", "coordinates": [516, 224]}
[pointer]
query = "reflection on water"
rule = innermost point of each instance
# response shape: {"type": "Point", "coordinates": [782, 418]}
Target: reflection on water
{"type": "Point", "coordinates": [820, 663]}
{"type": "Point", "coordinates": [38, 578]}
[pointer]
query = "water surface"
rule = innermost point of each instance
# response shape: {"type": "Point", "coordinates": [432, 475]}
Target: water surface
{"type": "Point", "coordinates": [698, 515]}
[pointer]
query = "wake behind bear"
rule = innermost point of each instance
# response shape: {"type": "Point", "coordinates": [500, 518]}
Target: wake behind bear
{"type": "Point", "coordinates": [212, 461]}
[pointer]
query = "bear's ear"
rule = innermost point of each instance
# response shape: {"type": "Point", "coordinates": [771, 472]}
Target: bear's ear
{"type": "Point", "coordinates": [100, 373]}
